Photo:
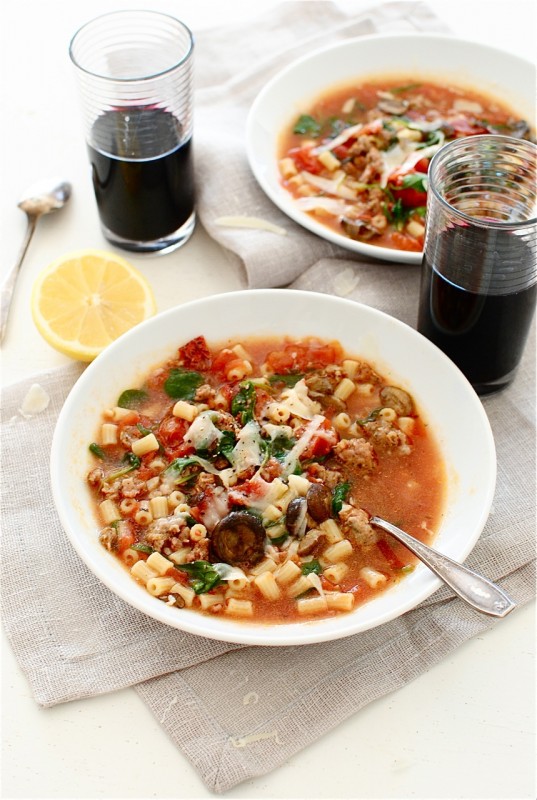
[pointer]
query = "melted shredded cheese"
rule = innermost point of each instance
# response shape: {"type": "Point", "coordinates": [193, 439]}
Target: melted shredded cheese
{"type": "Point", "coordinates": [297, 401]}
{"type": "Point", "coordinates": [291, 459]}
{"type": "Point", "coordinates": [202, 433]}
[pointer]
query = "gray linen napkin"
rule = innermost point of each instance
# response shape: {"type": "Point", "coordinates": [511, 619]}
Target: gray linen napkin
{"type": "Point", "coordinates": [94, 643]}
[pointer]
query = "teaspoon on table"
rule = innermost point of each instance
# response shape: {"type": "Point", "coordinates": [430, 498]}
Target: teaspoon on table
{"type": "Point", "coordinates": [38, 200]}
{"type": "Point", "coordinates": [478, 591]}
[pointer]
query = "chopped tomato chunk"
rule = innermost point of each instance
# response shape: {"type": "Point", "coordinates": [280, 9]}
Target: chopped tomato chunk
{"type": "Point", "coordinates": [303, 357]}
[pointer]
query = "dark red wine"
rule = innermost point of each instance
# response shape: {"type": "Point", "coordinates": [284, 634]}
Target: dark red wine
{"type": "Point", "coordinates": [477, 302]}
{"type": "Point", "coordinates": [142, 173]}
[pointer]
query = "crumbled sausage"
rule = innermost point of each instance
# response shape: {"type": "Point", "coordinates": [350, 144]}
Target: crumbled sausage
{"type": "Point", "coordinates": [132, 487]}
{"type": "Point", "coordinates": [355, 525]}
{"type": "Point", "coordinates": [356, 454]}
{"type": "Point", "coordinates": [330, 477]}
{"type": "Point", "coordinates": [384, 435]}
{"type": "Point", "coordinates": [161, 530]}
{"type": "Point", "coordinates": [108, 537]}
{"type": "Point", "coordinates": [204, 394]}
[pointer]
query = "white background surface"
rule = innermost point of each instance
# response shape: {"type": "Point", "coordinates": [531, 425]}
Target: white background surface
{"type": "Point", "coordinates": [464, 729]}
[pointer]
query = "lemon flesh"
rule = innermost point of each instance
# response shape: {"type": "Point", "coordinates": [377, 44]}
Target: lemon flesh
{"type": "Point", "coordinates": [85, 300]}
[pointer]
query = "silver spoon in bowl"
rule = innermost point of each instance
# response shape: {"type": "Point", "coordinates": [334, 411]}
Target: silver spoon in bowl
{"type": "Point", "coordinates": [478, 591]}
{"type": "Point", "coordinates": [39, 199]}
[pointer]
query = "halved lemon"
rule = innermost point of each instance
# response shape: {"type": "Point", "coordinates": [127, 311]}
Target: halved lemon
{"type": "Point", "coordinates": [84, 300]}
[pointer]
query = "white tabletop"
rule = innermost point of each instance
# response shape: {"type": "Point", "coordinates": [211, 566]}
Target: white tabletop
{"type": "Point", "coordinates": [464, 729]}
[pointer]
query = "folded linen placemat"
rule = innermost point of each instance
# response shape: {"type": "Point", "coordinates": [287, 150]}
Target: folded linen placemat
{"type": "Point", "coordinates": [74, 638]}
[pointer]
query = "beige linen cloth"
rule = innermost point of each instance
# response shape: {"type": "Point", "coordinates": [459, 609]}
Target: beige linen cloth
{"type": "Point", "coordinates": [74, 638]}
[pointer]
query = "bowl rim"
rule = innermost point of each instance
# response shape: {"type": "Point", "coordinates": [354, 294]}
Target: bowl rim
{"type": "Point", "coordinates": [284, 201]}
{"type": "Point", "coordinates": [217, 628]}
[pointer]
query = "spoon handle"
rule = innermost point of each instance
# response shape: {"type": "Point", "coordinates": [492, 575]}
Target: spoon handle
{"type": "Point", "coordinates": [478, 591]}
{"type": "Point", "coordinates": [9, 283]}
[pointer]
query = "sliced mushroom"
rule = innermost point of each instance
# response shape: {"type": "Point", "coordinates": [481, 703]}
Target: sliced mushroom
{"type": "Point", "coordinates": [520, 129]}
{"type": "Point", "coordinates": [357, 228]}
{"type": "Point", "coordinates": [295, 518]}
{"type": "Point", "coordinates": [239, 538]}
{"type": "Point", "coordinates": [398, 399]}
{"type": "Point", "coordinates": [390, 104]}
{"type": "Point", "coordinates": [319, 498]}
{"type": "Point", "coordinates": [308, 543]}
{"type": "Point", "coordinates": [176, 600]}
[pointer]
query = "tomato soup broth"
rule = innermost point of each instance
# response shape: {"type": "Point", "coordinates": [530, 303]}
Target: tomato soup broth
{"type": "Point", "coordinates": [239, 479]}
{"type": "Point", "coordinates": [357, 159]}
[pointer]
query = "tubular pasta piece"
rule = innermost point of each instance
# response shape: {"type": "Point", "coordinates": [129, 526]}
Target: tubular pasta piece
{"type": "Point", "coordinates": [109, 511]}
{"type": "Point", "coordinates": [287, 572]}
{"type": "Point", "coordinates": [311, 605]}
{"type": "Point", "coordinates": [108, 433]}
{"type": "Point", "coordinates": [145, 445]}
{"type": "Point", "coordinates": [338, 551]}
{"type": "Point", "coordinates": [158, 586]}
{"type": "Point", "coordinates": [266, 583]}
{"type": "Point", "coordinates": [372, 577]}
{"type": "Point", "coordinates": [141, 571]}
{"type": "Point", "coordinates": [335, 572]}
{"type": "Point", "coordinates": [208, 600]}
{"type": "Point", "coordinates": [339, 601]}
{"type": "Point", "coordinates": [240, 608]}
{"type": "Point", "coordinates": [158, 563]}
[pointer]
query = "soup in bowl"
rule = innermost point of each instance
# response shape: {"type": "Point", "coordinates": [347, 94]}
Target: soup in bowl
{"type": "Point", "coordinates": [220, 474]}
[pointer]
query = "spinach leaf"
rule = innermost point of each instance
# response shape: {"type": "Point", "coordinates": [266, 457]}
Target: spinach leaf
{"type": "Point", "coordinates": [180, 469]}
{"type": "Point", "coordinates": [131, 460]}
{"type": "Point", "coordinates": [336, 126]}
{"type": "Point", "coordinates": [311, 566]}
{"type": "Point", "coordinates": [243, 404]}
{"type": "Point", "coordinates": [339, 494]}
{"type": "Point", "coordinates": [371, 417]}
{"type": "Point", "coordinates": [279, 539]}
{"type": "Point", "coordinates": [397, 214]}
{"type": "Point", "coordinates": [306, 124]}
{"type": "Point", "coordinates": [406, 88]}
{"type": "Point", "coordinates": [143, 548]}
{"type": "Point", "coordinates": [132, 398]}
{"type": "Point", "coordinates": [433, 137]}
{"type": "Point", "coordinates": [279, 447]}
{"type": "Point", "coordinates": [181, 384]}
{"type": "Point", "coordinates": [226, 444]}
{"type": "Point", "coordinates": [415, 180]}
{"type": "Point", "coordinates": [96, 450]}
{"type": "Point", "coordinates": [203, 576]}
{"type": "Point", "coordinates": [143, 430]}
{"type": "Point", "coordinates": [288, 379]}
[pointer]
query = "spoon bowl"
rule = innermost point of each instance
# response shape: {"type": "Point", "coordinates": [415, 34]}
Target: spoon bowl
{"type": "Point", "coordinates": [470, 586]}
{"type": "Point", "coordinates": [39, 199]}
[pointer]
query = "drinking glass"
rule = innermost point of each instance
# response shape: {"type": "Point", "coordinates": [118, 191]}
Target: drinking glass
{"type": "Point", "coordinates": [479, 270]}
{"type": "Point", "coordinates": [134, 73]}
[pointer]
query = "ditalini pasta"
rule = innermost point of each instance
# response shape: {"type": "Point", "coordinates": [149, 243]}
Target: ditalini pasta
{"type": "Point", "coordinates": [240, 480]}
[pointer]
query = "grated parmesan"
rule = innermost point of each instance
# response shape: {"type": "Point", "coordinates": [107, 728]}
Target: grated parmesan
{"type": "Point", "coordinates": [250, 222]}
{"type": "Point", "coordinates": [345, 282]}
{"type": "Point", "coordinates": [242, 741]}
{"type": "Point", "coordinates": [35, 401]}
